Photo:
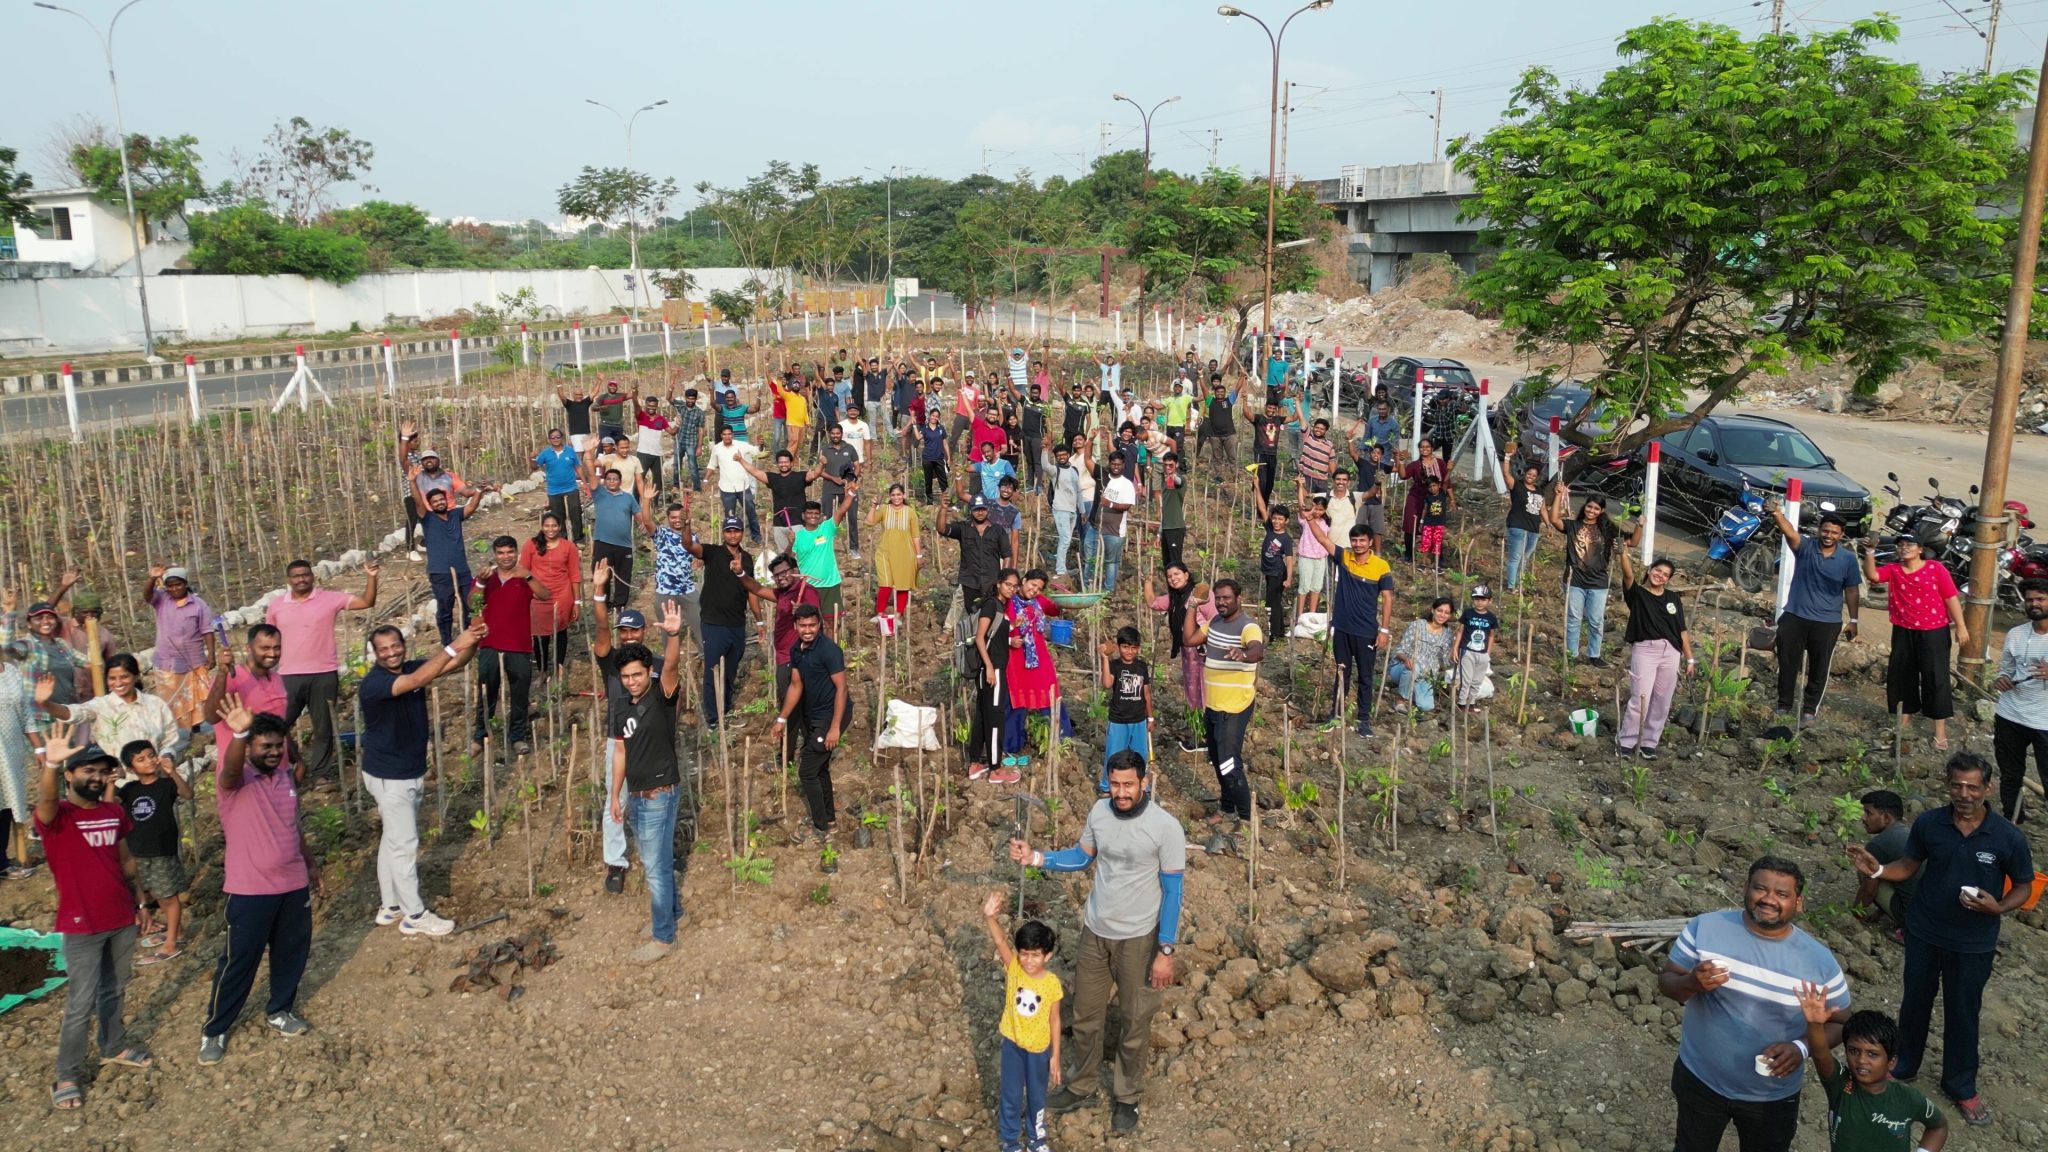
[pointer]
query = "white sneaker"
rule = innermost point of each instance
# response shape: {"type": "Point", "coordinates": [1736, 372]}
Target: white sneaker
{"type": "Point", "coordinates": [414, 556]}
{"type": "Point", "coordinates": [386, 917]}
{"type": "Point", "coordinates": [425, 924]}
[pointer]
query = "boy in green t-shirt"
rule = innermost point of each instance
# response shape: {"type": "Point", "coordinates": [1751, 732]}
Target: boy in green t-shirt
{"type": "Point", "coordinates": [1030, 1059]}
{"type": "Point", "coordinates": [1868, 1111]}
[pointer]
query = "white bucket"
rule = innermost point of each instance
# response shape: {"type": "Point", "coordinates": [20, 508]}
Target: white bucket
{"type": "Point", "coordinates": [1585, 722]}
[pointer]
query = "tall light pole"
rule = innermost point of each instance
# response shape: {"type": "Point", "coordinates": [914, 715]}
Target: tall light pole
{"type": "Point", "coordinates": [633, 199]}
{"type": "Point", "coordinates": [1272, 159]}
{"type": "Point", "coordinates": [888, 228]}
{"type": "Point", "coordinates": [1146, 118]}
{"type": "Point", "coordinates": [106, 40]}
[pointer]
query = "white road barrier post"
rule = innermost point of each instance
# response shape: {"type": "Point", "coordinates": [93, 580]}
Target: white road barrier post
{"type": "Point", "coordinates": [707, 327]}
{"type": "Point", "coordinates": [1119, 329]}
{"type": "Point", "coordinates": [1793, 490]}
{"type": "Point", "coordinates": [1555, 458]}
{"type": "Point", "coordinates": [934, 305]}
{"type": "Point", "coordinates": [390, 369]}
{"type": "Point", "coordinates": [576, 337]}
{"type": "Point", "coordinates": [668, 347]}
{"type": "Point", "coordinates": [626, 335]}
{"type": "Point", "coordinates": [1073, 325]}
{"type": "Point", "coordinates": [1415, 440]}
{"type": "Point", "coordinates": [1650, 503]}
{"type": "Point", "coordinates": [454, 353]}
{"type": "Point", "coordinates": [856, 320]}
{"type": "Point", "coordinates": [525, 347]}
{"type": "Point", "coordinates": [192, 386]}
{"type": "Point", "coordinates": [1336, 387]}
{"type": "Point", "coordinates": [831, 321]}
{"type": "Point", "coordinates": [807, 324]}
{"type": "Point", "coordinates": [71, 402]}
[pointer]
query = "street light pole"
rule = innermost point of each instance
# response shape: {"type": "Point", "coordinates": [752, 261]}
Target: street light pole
{"type": "Point", "coordinates": [1272, 159]}
{"type": "Point", "coordinates": [106, 40]}
{"type": "Point", "coordinates": [1146, 119]}
{"type": "Point", "coordinates": [633, 199]}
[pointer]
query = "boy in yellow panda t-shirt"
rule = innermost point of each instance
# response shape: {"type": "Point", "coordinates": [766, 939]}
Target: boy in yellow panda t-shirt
{"type": "Point", "coordinates": [1031, 1029]}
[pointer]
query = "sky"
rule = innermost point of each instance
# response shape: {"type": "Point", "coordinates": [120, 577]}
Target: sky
{"type": "Point", "coordinates": [477, 109]}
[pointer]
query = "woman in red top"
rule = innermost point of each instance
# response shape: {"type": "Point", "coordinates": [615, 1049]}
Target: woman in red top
{"type": "Point", "coordinates": [1927, 620]}
{"type": "Point", "coordinates": [1415, 472]}
{"type": "Point", "coordinates": [552, 558]}
{"type": "Point", "coordinates": [1031, 679]}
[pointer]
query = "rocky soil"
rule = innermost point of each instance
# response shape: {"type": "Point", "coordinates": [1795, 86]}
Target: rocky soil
{"type": "Point", "coordinates": [1402, 994]}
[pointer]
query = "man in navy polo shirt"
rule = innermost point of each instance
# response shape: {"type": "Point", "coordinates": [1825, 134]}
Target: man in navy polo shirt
{"type": "Point", "coordinates": [1964, 856]}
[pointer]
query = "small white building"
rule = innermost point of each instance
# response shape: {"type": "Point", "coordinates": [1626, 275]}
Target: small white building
{"type": "Point", "coordinates": [70, 226]}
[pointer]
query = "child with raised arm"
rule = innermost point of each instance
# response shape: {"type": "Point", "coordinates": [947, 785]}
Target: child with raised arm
{"type": "Point", "coordinates": [1030, 1058]}
{"type": "Point", "coordinates": [1868, 1111]}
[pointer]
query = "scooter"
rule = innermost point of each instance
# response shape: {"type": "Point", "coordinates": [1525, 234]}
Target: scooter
{"type": "Point", "coordinates": [1732, 538]}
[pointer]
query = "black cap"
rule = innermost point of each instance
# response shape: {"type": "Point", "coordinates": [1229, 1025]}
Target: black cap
{"type": "Point", "coordinates": [90, 754]}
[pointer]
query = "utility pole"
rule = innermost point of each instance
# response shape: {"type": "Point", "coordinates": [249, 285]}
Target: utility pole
{"type": "Point", "coordinates": [1992, 517]}
{"type": "Point", "coordinates": [1991, 34]}
{"type": "Point", "coordinates": [1777, 17]}
{"type": "Point", "coordinates": [1436, 142]}
{"type": "Point", "coordinates": [1286, 106]}
{"type": "Point", "coordinates": [1215, 144]}
{"type": "Point", "coordinates": [1102, 144]}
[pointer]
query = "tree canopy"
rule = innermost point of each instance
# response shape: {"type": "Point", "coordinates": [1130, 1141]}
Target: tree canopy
{"type": "Point", "coordinates": [251, 240]}
{"type": "Point", "coordinates": [1717, 206]}
{"type": "Point", "coordinates": [13, 184]}
{"type": "Point", "coordinates": [164, 169]}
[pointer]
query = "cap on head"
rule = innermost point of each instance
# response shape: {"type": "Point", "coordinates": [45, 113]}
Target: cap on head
{"type": "Point", "coordinates": [41, 608]}
{"type": "Point", "coordinates": [171, 574]}
{"type": "Point", "coordinates": [90, 754]}
{"type": "Point", "coordinates": [429, 454]}
{"type": "Point", "coordinates": [1481, 592]}
{"type": "Point", "coordinates": [631, 618]}
{"type": "Point", "coordinates": [977, 502]}
{"type": "Point", "coordinates": [732, 524]}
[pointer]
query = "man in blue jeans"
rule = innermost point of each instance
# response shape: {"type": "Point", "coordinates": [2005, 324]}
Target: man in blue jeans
{"type": "Point", "coordinates": [447, 558]}
{"type": "Point", "coordinates": [726, 581]}
{"type": "Point", "coordinates": [1975, 867]}
{"type": "Point", "coordinates": [646, 777]}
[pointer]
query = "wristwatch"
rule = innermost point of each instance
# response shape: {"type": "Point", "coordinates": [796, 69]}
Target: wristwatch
{"type": "Point", "coordinates": [1166, 949]}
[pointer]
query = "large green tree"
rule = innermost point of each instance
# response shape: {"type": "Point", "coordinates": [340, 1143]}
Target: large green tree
{"type": "Point", "coordinates": [1205, 240]}
{"type": "Point", "coordinates": [164, 169]}
{"type": "Point", "coordinates": [1718, 206]}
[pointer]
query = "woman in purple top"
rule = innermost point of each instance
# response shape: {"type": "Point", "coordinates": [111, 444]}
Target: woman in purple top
{"type": "Point", "coordinates": [184, 642]}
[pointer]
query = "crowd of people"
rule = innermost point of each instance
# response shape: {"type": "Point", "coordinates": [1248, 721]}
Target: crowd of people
{"type": "Point", "coordinates": [1048, 492]}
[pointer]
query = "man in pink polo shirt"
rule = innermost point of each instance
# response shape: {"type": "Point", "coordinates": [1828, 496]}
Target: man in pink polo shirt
{"type": "Point", "coordinates": [311, 661]}
{"type": "Point", "coordinates": [965, 407]}
{"type": "Point", "coordinates": [257, 684]}
{"type": "Point", "coordinates": [269, 879]}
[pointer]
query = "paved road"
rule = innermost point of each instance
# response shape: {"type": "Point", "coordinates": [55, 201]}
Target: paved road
{"type": "Point", "coordinates": [42, 413]}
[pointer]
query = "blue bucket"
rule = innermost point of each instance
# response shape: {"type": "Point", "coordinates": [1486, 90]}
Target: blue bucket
{"type": "Point", "coordinates": [1061, 632]}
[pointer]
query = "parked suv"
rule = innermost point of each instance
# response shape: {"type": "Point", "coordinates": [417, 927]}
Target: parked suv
{"type": "Point", "coordinates": [1704, 467]}
{"type": "Point", "coordinates": [1400, 374]}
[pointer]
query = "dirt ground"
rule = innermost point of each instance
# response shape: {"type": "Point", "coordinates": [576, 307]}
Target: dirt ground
{"type": "Point", "coordinates": [1411, 995]}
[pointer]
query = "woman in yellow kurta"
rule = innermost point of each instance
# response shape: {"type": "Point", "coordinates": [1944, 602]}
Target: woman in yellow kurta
{"type": "Point", "coordinates": [900, 555]}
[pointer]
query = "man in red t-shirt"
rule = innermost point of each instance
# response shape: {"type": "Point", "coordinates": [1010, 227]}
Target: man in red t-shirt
{"type": "Point", "coordinates": [508, 593]}
{"type": "Point", "coordinates": [791, 590]}
{"type": "Point", "coordinates": [85, 840]}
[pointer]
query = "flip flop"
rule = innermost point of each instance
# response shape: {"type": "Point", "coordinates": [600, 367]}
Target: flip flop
{"type": "Point", "coordinates": [155, 958]}
{"type": "Point", "coordinates": [154, 939]}
{"type": "Point", "coordinates": [131, 1057]}
{"type": "Point", "coordinates": [66, 1095]}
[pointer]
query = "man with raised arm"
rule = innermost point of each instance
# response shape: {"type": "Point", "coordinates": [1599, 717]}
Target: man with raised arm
{"type": "Point", "coordinates": [1129, 929]}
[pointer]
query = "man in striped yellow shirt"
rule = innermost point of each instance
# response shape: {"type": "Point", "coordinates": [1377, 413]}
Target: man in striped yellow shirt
{"type": "Point", "coordinates": [1233, 644]}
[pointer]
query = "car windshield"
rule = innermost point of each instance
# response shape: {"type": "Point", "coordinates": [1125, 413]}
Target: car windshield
{"type": "Point", "coordinates": [1433, 375]}
{"type": "Point", "coordinates": [1770, 448]}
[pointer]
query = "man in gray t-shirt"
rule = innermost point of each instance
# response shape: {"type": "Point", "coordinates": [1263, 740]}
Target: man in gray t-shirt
{"type": "Point", "coordinates": [1127, 935]}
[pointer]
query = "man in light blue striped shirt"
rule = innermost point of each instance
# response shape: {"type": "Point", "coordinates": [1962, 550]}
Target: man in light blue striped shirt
{"type": "Point", "coordinates": [1742, 1054]}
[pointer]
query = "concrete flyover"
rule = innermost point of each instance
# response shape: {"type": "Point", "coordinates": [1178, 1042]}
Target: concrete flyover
{"type": "Point", "coordinates": [1396, 211]}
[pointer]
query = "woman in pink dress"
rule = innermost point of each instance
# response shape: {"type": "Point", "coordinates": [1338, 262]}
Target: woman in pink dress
{"type": "Point", "coordinates": [1033, 681]}
{"type": "Point", "coordinates": [555, 561]}
{"type": "Point", "coordinates": [1927, 625]}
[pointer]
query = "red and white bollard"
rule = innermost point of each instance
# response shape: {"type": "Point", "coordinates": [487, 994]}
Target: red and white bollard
{"type": "Point", "coordinates": [455, 353]}
{"type": "Point", "coordinates": [576, 338]}
{"type": "Point", "coordinates": [71, 401]}
{"type": "Point", "coordinates": [1793, 491]}
{"type": "Point", "coordinates": [390, 368]}
{"type": "Point", "coordinates": [192, 386]}
{"type": "Point", "coordinates": [1649, 530]}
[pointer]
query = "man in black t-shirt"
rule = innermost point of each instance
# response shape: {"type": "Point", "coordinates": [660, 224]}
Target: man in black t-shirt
{"type": "Point", "coordinates": [606, 647]}
{"type": "Point", "coordinates": [645, 775]}
{"type": "Point", "coordinates": [789, 489]}
{"type": "Point", "coordinates": [576, 403]}
{"type": "Point", "coordinates": [816, 706]}
{"type": "Point", "coordinates": [1266, 427]}
{"type": "Point", "coordinates": [728, 581]}
{"type": "Point", "coordinates": [1217, 427]}
{"type": "Point", "coordinates": [984, 546]}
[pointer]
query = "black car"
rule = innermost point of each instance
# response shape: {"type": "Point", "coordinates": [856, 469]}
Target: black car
{"type": "Point", "coordinates": [1400, 374]}
{"type": "Point", "coordinates": [1704, 467]}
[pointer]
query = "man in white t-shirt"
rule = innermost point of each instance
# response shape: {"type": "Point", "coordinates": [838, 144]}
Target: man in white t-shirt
{"type": "Point", "coordinates": [1104, 548]}
{"type": "Point", "coordinates": [858, 433]}
{"type": "Point", "coordinates": [729, 460]}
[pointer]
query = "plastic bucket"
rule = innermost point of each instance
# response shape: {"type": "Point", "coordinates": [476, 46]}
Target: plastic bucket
{"type": "Point", "coordinates": [2040, 883]}
{"type": "Point", "coordinates": [1061, 632]}
{"type": "Point", "coordinates": [1585, 722]}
